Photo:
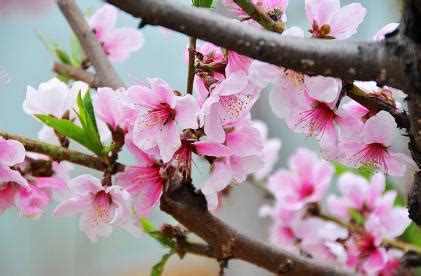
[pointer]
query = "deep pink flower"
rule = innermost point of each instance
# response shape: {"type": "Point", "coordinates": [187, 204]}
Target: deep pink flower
{"type": "Point", "coordinates": [329, 20]}
{"type": "Point", "coordinates": [117, 43]}
{"type": "Point", "coordinates": [306, 181]}
{"type": "Point", "coordinates": [161, 117]}
{"type": "Point", "coordinates": [7, 195]}
{"type": "Point", "coordinates": [101, 207]}
{"type": "Point", "coordinates": [374, 148]}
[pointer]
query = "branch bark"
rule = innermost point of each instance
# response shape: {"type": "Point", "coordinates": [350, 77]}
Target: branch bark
{"type": "Point", "coordinates": [92, 48]}
{"type": "Point", "coordinates": [190, 209]}
{"type": "Point", "coordinates": [57, 153]}
{"type": "Point", "coordinates": [77, 74]}
{"type": "Point", "coordinates": [343, 59]}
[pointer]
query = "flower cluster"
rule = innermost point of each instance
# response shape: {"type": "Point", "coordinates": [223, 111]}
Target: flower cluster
{"type": "Point", "coordinates": [367, 213]}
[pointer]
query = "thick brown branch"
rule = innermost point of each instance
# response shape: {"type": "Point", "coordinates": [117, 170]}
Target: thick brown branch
{"type": "Point", "coordinates": [343, 59]}
{"type": "Point", "coordinates": [190, 209]}
{"type": "Point", "coordinates": [77, 74]}
{"type": "Point", "coordinates": [92, 48]}
{"type": "Point", "coordinates": [62, 154]}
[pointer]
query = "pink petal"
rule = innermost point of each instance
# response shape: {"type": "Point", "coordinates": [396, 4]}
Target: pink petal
{"type": "Point", "coordinates": [262, 73]}
{"type": "Point", "coordinates": [122, 201]}
{"type": "Point", "coordinates": [121, 42]}
{"type": "Point", "coordinates": [339, 206]}
{"type": "Point", "coordinates": [235, 83]}
{"type": "Point", "coordinates": [380, 129]}
{"type": "Point", "coordinates": [168, 141]}
{"type": "Point", "coordinates": [218, 180]}
{"type": "Point", "coordinates": [85, 184]}
{"type": "Point", "coordinates": [7, 194]}
{"type": "Point", "coordinates": [376, 261]}
{"type": "Point", "coordinates": [346, 21]}
{"type": "Point", "coordinates": [213, 126]}
{"type": "Point", "coordinates": [380, 35]}
{"type": "Point", "coordinates": [321, 11]}
{"type": "Point", "coordinates": [237, 62]}
{"type": "Point", "coordinates": [31, 203]}
{"type": "Point", "coordinates": [244, 141]}
{"type": "Point", "coordinates": [103, 20]}
{"type": "Point", "coordinates": [73, 205]}
{"type": "Point", "coordinates": [106, 105]}
{"type": "Point", "coordinates": [323, 89]}
{"type": "Point", "coordinates": [186, 112]}
{"type": "Point", "coordinates": [242, 166]}
{"type": "Point", "coordinates": [375, 189]}
{"type": "Point", "coordinates": [11, 152]}
{"type": "Point", "coordinates": [143, 159]}
{"type": "Point", "coordinates": [354, 188]}
{"type": "Point", "coordinates": [9, 175]}
{"type": "Point", "coordinates": [92, 228]}
{"type": "Point", "coordinates": [209, 148]}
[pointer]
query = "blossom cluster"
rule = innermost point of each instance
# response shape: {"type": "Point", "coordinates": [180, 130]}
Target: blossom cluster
{"type": "Point", "coordinates": [366, 210]}
{"type": "Point", "coordinates": [166, 130]}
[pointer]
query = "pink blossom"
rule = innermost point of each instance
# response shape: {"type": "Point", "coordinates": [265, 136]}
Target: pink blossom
{"type": "Point", "coordinates": [161, 117]}
{"type": "Point", "coordinates": [117, 43]}
{"type": "Point", "coordinates": [374, 148]}
{"type": "Point", "coordinates": [7, 195]}
{"type": "Point", "coordinates": [380, 35]}
{"type": "Point", "coordinates": [101, 207]}
{"type": "Point", "coordinates": [274, 8]}
{"type": "Point", "coordinates": [306, 181]}
{"type": "Point", "coordinates": [270, 152]}
{"type": "Point", "coordinates": [219, 178]}
{"type": "Point", "coordinates": [111, 107]}
{"type": "Point", "coordinates": [318, 238]}
{"type": "Point", "coordinates": [23, 7]}
{"type": "Point", "coordinates": [329, 20]}
{"type": "Point", "coordinates": [11, 153]}
{"type": "Point", "coordinates": [392, 265]}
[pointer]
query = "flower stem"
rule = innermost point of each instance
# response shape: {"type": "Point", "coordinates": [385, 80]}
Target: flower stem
{"type": "Point", "coordinates": [190, 76]}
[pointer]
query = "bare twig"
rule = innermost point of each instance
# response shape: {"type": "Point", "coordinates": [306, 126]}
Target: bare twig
{"type": "Point", "coordinates": [92, 48]}
{"type": "Point", "coordinates": [77, 74]}
{"type": "Point", "coordinates": [63, 154]}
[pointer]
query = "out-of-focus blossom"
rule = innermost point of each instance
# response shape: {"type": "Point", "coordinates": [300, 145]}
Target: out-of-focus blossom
{"type": "Point", "coordinates": [270, 152]}
{"type": "Point", "coordinates": [117, 43]}
{"type": "Point", "coordinates": [329, 20]}
{"type": "Point", "coordinates": [23, 7]}
{"type": "Point", "coordinates": [101, 207]}
{"type": "Point", "coordinates": [306, 181]}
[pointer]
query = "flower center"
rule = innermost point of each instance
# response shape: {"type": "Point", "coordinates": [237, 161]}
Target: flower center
{"type": "Point", "coordinates": [373, 154]}
{"type": "Point", "coordinates": [366, 245]}
{"type": "Point", "coordinates": [318, 119]}
{"type": "Point", "coordinates": [306, 190]}
{"type": "Point", "coordinates": [159, 115]}
{"type": "Point", "coordinates": [102, 203]}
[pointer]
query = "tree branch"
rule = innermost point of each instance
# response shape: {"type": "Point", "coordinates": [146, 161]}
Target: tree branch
{"type": "Point", "coordinates": [57, 153]}
{"type": "Point", "coordinates": [77, 74]}
{"type": "Point", "coordinates": [343, 59]}
{"type": "Point", "coordinates": [190, 209]}
{"type": "Point", "coordinates": [190, 74]}
{"type": "Point", "coordinates": [92, 48]}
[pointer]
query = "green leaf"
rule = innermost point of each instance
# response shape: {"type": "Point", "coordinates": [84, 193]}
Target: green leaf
{"type": "Point", "coordinates": [76, 51]}
{"type": "Point", "coordinates": [87, 119]}
{"type": "Point", "coordinates": [356, 216]}
{"type": "Point", "coordinates": [62, 56]}
{"type": "Point", "coordinates": [158, 268]}
{"type": "Point", "coordinates": [412, 234]}
{"type": "Point", "coordinates": [155, 234]}
{"type": "Point", "coordinates": [202, 3]}
{"type": "Point", "coordinates": [67, 128]}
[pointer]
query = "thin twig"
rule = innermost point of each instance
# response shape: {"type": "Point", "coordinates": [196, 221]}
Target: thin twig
{"type": "Point", "coordinates": [77, 74]}
{"type": "Point", "coordinates": [63, 154]}
{"type": "Point", "coordinates": [190, 76]}
{"type": "Point", "coordinates": [92, 48]}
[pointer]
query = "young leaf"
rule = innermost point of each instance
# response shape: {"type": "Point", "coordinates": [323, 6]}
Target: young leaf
{"type": "Point", "coordinates": [158, 268]}
{"type": "Point", "coordinates": [76, 51]}
{"type": "Point", "coordinates": [67, 128]}
{"type": "Point", "coordinates": [155, 234]}
{"type": "Point", "coordinates": [62, 56]}
{"type": "Point", "coordinates": [202, 3]}
{"type": "Point", "coordinates": [87, 103]}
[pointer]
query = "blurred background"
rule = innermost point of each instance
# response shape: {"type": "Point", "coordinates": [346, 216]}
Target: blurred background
{"type": "Point", "coordinates": [50, 246]}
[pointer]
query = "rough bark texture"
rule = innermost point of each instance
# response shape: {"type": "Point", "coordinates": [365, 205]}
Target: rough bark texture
{"type": "Point", "coordinates": [190, 209]}
{"type": "Point", "coordinates": [343, 59]}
